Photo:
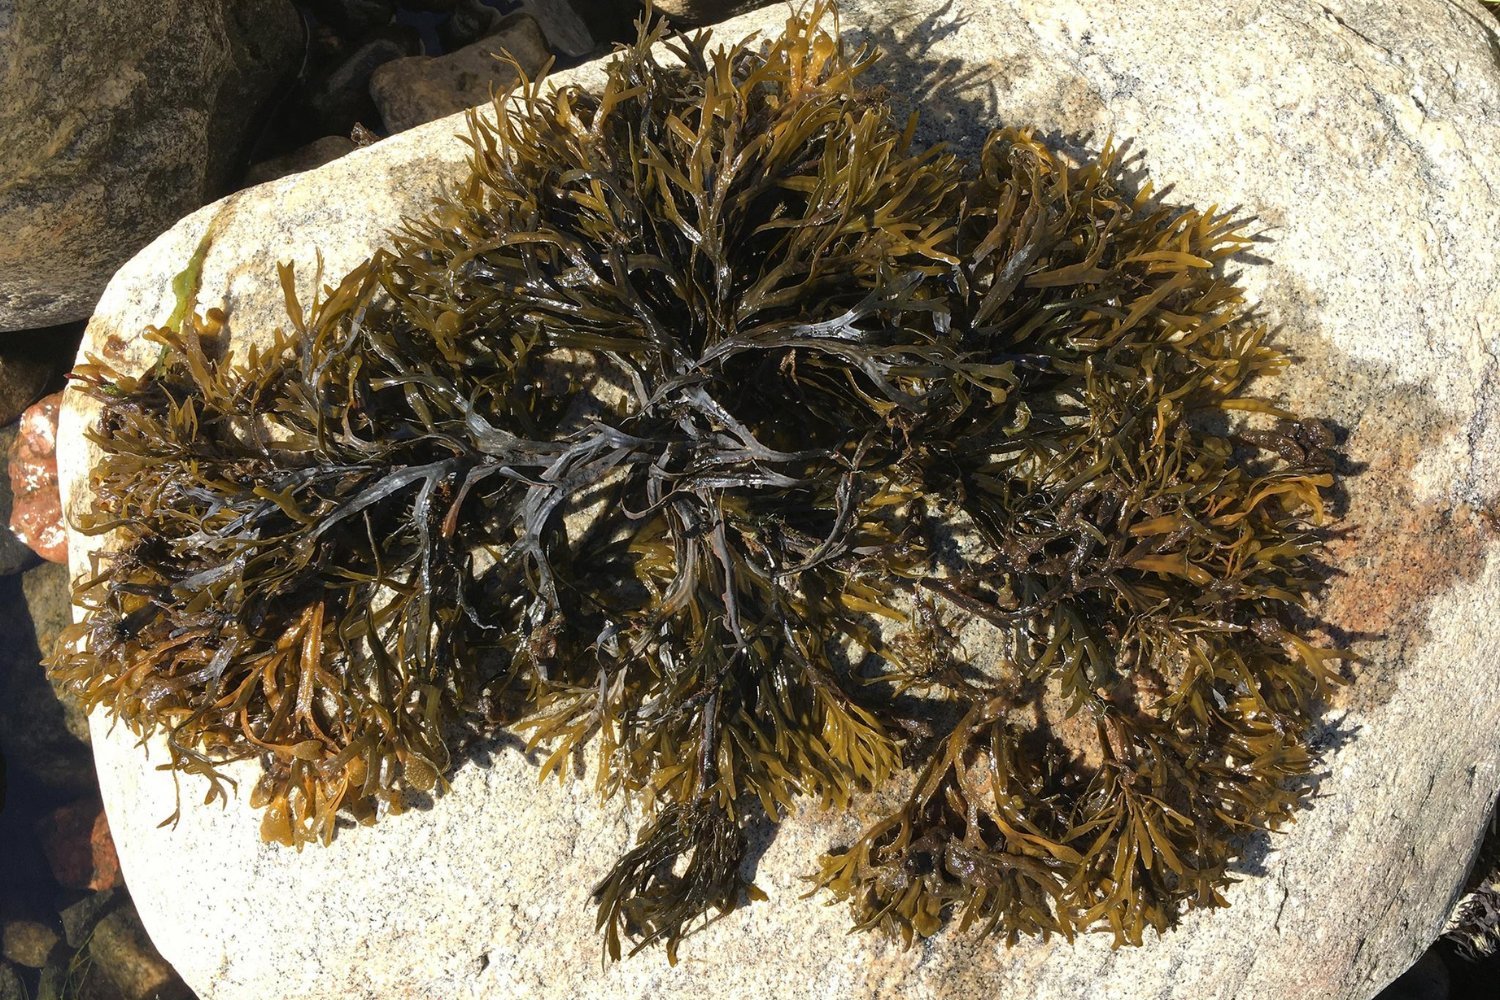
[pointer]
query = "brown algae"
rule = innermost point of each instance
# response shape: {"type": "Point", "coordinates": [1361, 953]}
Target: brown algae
{"type": "Point", "coordinates": [689, 434]}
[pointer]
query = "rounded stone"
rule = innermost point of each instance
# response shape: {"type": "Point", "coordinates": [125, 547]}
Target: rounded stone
{"type": "Point", "coordinates": [36, 511]}
{"type": "Point", "coordinates": [1372, 168]}
{"type": "Point", "coordinates": [28, 942]}
{"type": "Point", "coordinates": [123, 954]}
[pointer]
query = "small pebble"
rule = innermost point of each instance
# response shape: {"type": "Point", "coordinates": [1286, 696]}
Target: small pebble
{"type": "Point", "coordinates": [36, 505]}
{"type": "Point", "coordinates": [28, 942]}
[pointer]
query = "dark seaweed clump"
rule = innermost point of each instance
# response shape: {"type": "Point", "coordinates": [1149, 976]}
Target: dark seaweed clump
{"type": "Point", "coordinates": [713, 430]}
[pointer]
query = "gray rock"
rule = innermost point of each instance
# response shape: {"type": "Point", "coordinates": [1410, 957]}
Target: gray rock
{"type": "Point", "coordinates": [23, 380]}
{"type": "Point", "coordinates": [123, 954]}
{"type": "Point", "coordinates": [697, 12]}
{"type": "Point", "coordinates": [28, 942]}
{"type": "Point", "coordinates": [420, 88]}
{"type": "Point", "coordinates": [1370, 157]}
{"type": "Point", "coordinates": [70, 976]}
{"type": "Point", "coordinates": [81, 917]}
{"type": "Point", "coordinates": [469, 21]}
{"type": "Point", "coordinates": [567, 32]}
{"type": "Point", "coordinates": [341, 99]}
{"type": "Point", "coordinates": [118, 119]}
{"type": "Point", "coordinates": [314, 154]}
{"type": "Point", "coordinates": [39, 734]}
{"type": "Point", "coordinates": [49, 605]}
{"type": "Point", "coordinates": [11, 987]}
{"type": "Point", "coordinates": [356, 17]}
{"type": "Point", "coordinates": [317, 153]}
{"type": "Point", "coordinates": [15, 555]}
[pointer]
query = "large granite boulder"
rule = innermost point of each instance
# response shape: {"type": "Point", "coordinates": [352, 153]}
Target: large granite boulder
{"type": "Point", "coordinates": [1364, 137]}
{"type": "Point", "coordinates": [118, 119]}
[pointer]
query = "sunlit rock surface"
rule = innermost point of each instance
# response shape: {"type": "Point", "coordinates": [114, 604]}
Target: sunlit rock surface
{"type": "Point", "coordinates": [1364, 139]}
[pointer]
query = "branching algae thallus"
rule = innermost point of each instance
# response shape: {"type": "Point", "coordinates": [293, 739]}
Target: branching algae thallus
{"type": "Point", "coordinates": [713, 430]}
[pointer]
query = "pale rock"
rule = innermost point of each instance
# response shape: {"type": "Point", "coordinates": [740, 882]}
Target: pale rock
{"type": "Point", "coordinates": [117, 119]}
{"type": "Point", "coordinates": [1364, 137]}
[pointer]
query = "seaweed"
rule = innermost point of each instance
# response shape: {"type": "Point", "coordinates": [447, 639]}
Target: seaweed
{"type": "Point", "coordinates": [701, 431]}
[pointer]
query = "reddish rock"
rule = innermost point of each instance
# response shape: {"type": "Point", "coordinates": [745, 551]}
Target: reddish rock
{"type": "Point", "coordinates": [36, 510]}
{"type": "Point", "coordinates": [79, 847]}
{"type": "Point", "coordinates": [106, 862]}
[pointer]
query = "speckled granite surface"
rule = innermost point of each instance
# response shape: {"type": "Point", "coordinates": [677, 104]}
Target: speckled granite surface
{"type": "Point", "coordinates": [1365, 138]}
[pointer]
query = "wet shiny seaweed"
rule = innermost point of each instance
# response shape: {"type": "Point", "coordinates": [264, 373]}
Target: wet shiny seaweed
{"type": "Point", "coordinates": [714, 431]}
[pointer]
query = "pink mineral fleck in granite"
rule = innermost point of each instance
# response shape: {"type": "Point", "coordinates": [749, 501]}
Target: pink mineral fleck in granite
{"type": "Point", "coordinates": [36, 507]}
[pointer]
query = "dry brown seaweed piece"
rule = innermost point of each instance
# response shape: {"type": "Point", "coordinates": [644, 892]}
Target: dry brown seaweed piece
{"type": "Point", "coordinates": [652, 442]}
